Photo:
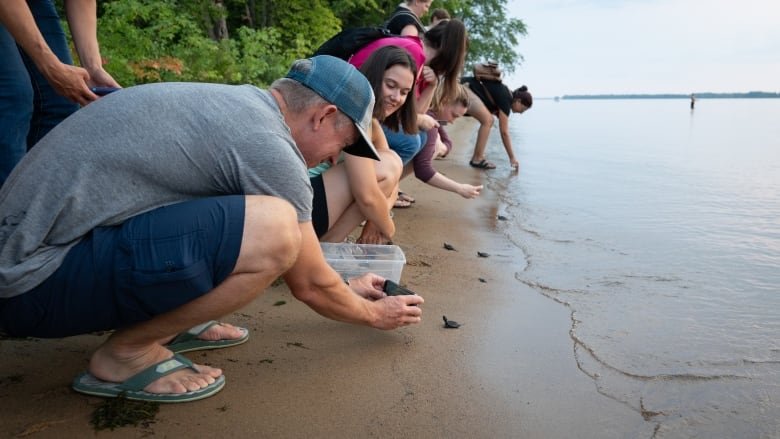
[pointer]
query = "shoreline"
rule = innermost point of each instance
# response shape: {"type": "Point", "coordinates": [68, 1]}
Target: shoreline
{"type": "Point", "coordinates": [509, 371]}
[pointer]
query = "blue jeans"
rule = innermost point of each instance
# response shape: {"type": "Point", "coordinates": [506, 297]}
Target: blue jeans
{"type": "Point", "coordinates": [405, 145]}
{"type": "Point", "coordinates": [29, 106]}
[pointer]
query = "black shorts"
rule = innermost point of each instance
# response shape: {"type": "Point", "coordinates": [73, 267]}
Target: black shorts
{"type": "Point", "coordinates": [319, 213]}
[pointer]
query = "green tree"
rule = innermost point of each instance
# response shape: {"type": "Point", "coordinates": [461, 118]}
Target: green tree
{"type": "Point", "coordinates": [255, 41]}
{"type": "Point", "coordinates": [492, 34]}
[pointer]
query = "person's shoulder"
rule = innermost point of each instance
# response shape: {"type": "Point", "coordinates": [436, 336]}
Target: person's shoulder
{"type": "Point", "coordinates": [402, 17]}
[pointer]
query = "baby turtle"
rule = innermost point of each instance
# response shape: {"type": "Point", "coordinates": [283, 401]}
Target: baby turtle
{"type": "Point", "coordinates": [451, 324]}
{"type": "Point", "coordinates": [502, 218]}
{"type": "Point", "coordinates": [482, 279]}
{"type": "Point", "coordinates": [483, 254]}
{"type": "Point", "coordinates": [449, 247]}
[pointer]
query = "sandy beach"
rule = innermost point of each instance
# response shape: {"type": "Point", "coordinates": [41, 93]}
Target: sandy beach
{"type": "Point", "coordinates": [508, 372]}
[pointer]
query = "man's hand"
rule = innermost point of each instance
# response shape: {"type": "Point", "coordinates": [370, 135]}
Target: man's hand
{"type": "Point", "coordinates": [69, 81]}
{"type": "Point", "coordinates": [396, 311]}
{"type": "Point", "coordinates": [369, 286]}
{"type": "Point", "coordinates": [392, 311]}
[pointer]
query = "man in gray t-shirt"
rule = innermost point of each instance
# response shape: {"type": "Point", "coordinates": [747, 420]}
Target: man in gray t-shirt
{"type": "Point", "coordinates": [164, 206]}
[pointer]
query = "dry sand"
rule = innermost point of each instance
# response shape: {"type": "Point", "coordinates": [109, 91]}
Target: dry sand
{"type": "Point", "coordinates": [508, 372]}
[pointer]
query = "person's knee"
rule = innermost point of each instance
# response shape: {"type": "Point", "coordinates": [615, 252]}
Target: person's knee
{"type": "Point", "coordinates": [388, 170]}
{"type": "Point", "coordinates": [486, 123]}
{"type": "Point", "coordinates": [272, 236]}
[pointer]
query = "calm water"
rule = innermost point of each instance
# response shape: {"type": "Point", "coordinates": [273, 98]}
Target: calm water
{"type": "Point", "coordinates": [659, 227]}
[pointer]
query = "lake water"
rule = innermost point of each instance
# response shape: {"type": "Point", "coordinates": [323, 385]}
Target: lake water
{"type": "Point", "coordinates": [659, 227]}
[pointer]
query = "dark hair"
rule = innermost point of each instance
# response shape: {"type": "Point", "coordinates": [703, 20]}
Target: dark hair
{"type": "Point", "coordinates": [440, 14]}
{"type": "Point", "coordinates": [374, 69]}
{"type": "Point", "coordinates": [450, 40]}
{"type": "Point", "coordinates": [522, 95]}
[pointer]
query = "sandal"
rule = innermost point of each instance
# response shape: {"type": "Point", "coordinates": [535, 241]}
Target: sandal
{"type": "Point", "coordinates": [406, 197]}
{"type": "Point", "coordinates": [484, 164]}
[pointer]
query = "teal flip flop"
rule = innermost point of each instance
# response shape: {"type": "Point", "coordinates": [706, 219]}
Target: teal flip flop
{"type": "Point", "coordinates": [189, 341]}
{"type": "Point", "coordinates": [133, 387]}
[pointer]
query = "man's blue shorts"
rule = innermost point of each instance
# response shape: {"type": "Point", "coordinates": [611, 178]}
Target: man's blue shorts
{"type": "Point", "coordinates": [121, 275]}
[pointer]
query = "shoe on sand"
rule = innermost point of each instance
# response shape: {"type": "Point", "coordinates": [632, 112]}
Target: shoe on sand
{"type": "Point", "coordinates": [133, 387]}
{"type": "Point", "coordinates": [483, 164]}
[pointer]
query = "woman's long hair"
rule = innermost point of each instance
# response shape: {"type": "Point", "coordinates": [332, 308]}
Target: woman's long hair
{"type": "Point", "coordinates": [450, 40]}
{"type": "Point", "coordinates": [459, 96]}
{"type": "Point", "coordinates": [374, 69]}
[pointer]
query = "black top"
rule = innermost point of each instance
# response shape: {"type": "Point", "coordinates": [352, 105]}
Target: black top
{"type": "Point", "coordinates": [498, 91]}
{"type": "Point", "coordinates": [401, 18]}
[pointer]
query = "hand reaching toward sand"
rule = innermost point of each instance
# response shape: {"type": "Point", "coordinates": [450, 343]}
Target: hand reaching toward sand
{"type": "Point", "coordinates": [469, 191]}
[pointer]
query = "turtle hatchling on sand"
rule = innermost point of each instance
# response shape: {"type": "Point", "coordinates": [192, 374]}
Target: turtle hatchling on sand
{"type": "Point", "coordinates": [452, 324]}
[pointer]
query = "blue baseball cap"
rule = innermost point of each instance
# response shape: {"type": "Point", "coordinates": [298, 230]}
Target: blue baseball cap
{"type": "Point", "coordinates": [341, 84]}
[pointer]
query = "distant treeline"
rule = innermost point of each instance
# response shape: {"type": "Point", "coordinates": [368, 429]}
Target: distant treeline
{"type": "Point", "coordinates": [748, 95]}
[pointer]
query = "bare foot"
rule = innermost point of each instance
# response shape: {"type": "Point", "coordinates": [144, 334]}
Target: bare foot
{"type": "Point", "coordinates": [117, 364]}
{"type": "Point", "coordinates": [221, 331]}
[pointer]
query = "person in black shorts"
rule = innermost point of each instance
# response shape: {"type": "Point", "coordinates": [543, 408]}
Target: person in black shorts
{"type": "Point", "coordinates": [489, 98]}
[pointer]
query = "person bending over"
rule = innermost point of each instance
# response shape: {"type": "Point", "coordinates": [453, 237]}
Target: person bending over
{"type": "Point", "coordinates": [189, 202]}
{"type": "Point", "coordinates": [493, 98]}
{"type": "Point", "coordinates": [436, 139]}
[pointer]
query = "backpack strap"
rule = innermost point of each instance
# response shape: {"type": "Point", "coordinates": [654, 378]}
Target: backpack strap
{"type": "Point", "coordinates": [418, 23]}
{"type": "Point", "coordinates": [488, 95]}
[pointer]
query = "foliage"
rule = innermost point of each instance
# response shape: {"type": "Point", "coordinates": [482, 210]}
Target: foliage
{"type": "Point", "coordinates": [492, 35]}
{"type": "Point", "coordinates": [255, 41]}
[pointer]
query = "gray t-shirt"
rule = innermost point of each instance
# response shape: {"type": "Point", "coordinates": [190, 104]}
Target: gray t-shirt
{"type": "Point", "coordinates": [133, 151]}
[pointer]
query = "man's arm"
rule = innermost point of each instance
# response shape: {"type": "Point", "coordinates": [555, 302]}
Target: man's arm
{"type": "Point", "coordinates": [69, 81]}
{"type": "Point", "coordinates": [315, 283]}
{"type": "Point", "coordinates": [82, 18]}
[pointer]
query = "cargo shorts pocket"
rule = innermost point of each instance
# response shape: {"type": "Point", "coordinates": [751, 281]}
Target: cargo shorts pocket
{"type": "Point", "coordinates": [161, 275]}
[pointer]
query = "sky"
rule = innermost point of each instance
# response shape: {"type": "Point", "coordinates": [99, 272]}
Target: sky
{"type": "Point", "coordinates": [647, 46]}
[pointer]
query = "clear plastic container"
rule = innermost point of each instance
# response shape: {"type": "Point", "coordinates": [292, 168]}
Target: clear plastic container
{"type": "Point", "coordinates": [352, 260]}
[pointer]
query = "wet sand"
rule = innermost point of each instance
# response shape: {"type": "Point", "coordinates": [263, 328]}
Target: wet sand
{"type": "Point", "coordinates": [508, 372]}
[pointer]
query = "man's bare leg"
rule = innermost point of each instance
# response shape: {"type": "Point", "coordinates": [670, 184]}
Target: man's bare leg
{"type": "Point", "coordinates": [269, 247]}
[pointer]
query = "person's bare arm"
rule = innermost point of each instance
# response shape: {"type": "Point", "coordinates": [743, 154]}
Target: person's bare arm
{"type": "Point", "coordinates": [423, 101]}
{"type": "Point", "coordinates": [503, 127]}
{"type": "Point", "coordinates": [372, 202]}
{"type": "Point", "coordinates": [82, 18]}
{"type": "Point", "coordinates": [314, 282]}
{"type": "Point", "coordinates": [465, 190]}
{"type": "Point", "coordinates": [410, 30]}
{"type": "Point", "coordinates": [69, 81]}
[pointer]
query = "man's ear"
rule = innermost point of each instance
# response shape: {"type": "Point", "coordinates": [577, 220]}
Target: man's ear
{"type": "Point", "coordinates": [322, 113]}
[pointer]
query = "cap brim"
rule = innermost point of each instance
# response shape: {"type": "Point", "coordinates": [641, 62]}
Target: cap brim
{"type": "Point", "coordinates": [363, 147]}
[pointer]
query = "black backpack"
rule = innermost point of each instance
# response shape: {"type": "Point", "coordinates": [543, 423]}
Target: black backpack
{"type": "Point", "coordinates": [345, 43]}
